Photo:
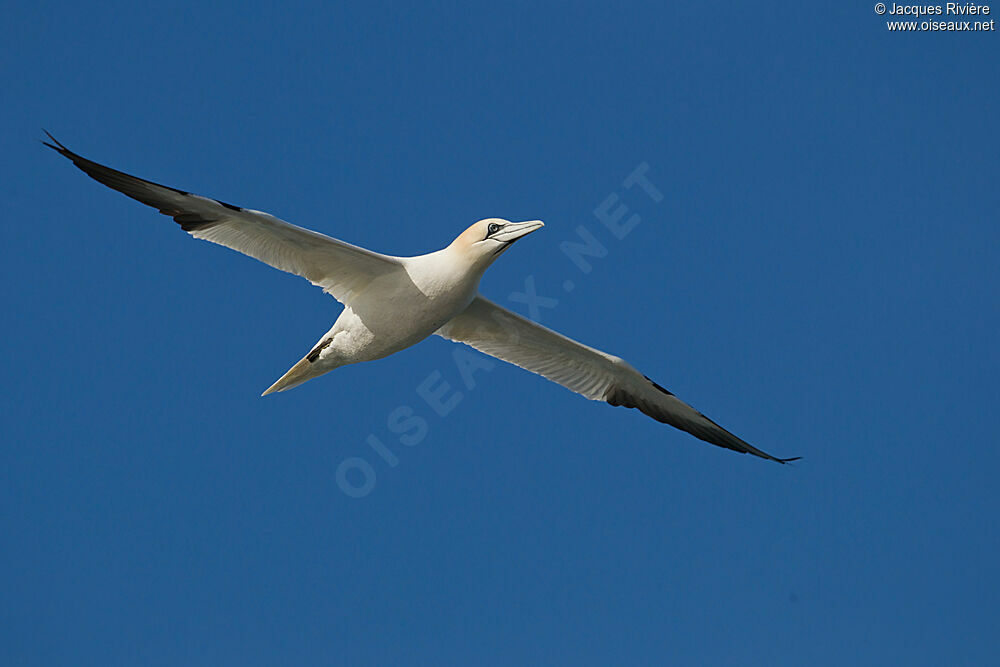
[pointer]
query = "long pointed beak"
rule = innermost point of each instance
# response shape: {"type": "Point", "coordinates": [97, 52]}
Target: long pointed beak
{"type": "Point", "coordinates": [516, 230]}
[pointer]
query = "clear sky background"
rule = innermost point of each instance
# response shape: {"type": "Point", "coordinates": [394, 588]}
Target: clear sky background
{"type": "Point", "coordinates": [820, 277]}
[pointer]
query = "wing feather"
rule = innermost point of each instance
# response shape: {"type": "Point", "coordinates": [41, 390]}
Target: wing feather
{"type": "Point", "coordinates": [592, 373]}
{"type": "Point", "coordinates": [341, 269]}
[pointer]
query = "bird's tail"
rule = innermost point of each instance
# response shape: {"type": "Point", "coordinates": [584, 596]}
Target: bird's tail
{"type": "Point", "coordinates": [301, 372]}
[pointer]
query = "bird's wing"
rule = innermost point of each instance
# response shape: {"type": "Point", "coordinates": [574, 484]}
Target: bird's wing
{"type": "Point", "coordinates": [596, 375]}
{"type": "Point", "coordinates": [339, 268]}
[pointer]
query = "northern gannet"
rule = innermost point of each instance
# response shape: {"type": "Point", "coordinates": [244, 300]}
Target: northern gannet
{"type": "Point", "coordinates": [391, 303]}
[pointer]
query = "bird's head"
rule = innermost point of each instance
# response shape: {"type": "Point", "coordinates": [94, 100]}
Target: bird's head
{"type": "Point", "coordinates": [487, 239]}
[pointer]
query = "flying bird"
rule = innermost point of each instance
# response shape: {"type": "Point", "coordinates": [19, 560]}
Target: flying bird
{"type": "Point", "coordinates": [391, 303]}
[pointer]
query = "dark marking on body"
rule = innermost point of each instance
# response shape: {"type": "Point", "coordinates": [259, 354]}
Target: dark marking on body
{"type": "Point", "coordinates": [314, 355]}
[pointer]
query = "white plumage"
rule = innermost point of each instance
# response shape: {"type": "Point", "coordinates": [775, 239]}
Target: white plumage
{"type": "Point", "coordinates": [391, 303]}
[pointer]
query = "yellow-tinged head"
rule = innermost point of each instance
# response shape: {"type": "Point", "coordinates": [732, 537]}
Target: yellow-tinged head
{"type": "Point", "coordinates": [485, 240]}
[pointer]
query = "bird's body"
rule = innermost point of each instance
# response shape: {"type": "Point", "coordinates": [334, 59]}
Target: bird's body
{"type": "Point", "coordinates": [391, 303]}
{"type": "Point", "coordinates": [397, 310]}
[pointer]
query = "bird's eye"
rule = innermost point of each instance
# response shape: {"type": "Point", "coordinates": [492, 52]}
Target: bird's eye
{"type": "Point", "coordinates": [493, 228]}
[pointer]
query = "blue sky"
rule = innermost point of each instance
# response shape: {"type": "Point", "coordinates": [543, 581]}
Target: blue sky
{"type": "Point", "coordinates": [820, 277]}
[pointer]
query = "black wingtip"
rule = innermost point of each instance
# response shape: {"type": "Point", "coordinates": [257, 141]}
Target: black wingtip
{"type": "Point", "coordinates": [58, 146]}
{"type": "Point", "coordinates": [783, 461]}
